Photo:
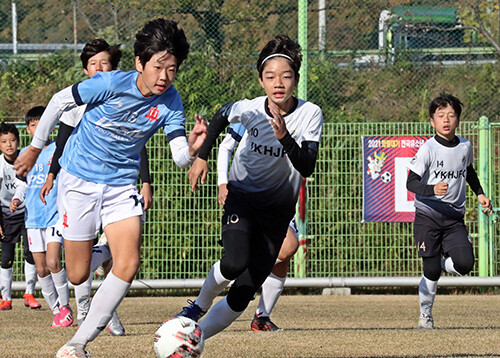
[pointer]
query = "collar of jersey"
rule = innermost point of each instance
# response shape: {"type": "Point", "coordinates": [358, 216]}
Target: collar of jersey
{"type": "Point", "coordinates": [447, 143]}
{"type": "Point", "coordinates": [295, 104]}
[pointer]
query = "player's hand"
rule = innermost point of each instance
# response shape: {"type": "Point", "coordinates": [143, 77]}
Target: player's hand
{"type": "Point", "coordinates": [197, 135]}
{"type": "Point", "coordinates": [199, 168]}
{"type": "Point", "coordinates": [221, 197]}
{"type": "Point", "coordinates": [147, 195]}
{"type": "Point", "coordinates": [277, 122]}
{"type": "Point", "coordinates": [1, 234]}
{"type": "Point", "coordinates": [485, 203]}
{"type": "Point", "coordinates": [26, 161]}
{"type": "Point", "coordinates": [440, 188]}
{"type": "Point", "coordinates": [47, 187]}
{"type": "Point", "coordinates": [14, 204]}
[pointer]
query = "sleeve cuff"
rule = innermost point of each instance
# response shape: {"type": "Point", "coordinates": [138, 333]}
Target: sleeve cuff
{"type": "Point", "coordinates": [38, 142]}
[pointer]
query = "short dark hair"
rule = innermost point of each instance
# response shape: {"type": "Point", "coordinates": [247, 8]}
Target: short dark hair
{"type": "Point", "coordinates": [161, 35]}
{"type": "Point", "coordinates": [6, 128]}
{"type": "Point", "coordinates": [34, 114]}
{"type": "Point", "coordinates": [95, 46]}
{"type": "Point", "coordinates": [443, 100]}
{"type": "Point", "coordinates": [281, 44]}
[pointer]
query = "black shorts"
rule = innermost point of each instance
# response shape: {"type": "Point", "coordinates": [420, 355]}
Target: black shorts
{"type": "Point", "coordinates": [255, 214]}
{"type": "Point", "coordinates": [13, 228]}
{"type": "Point", "coordinates": [434, 239]}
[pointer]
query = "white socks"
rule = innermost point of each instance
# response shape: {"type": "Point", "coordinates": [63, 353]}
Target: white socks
{"type": "Point", "coordinates": [30, 277]}
{"type": "Point", "coordinates": [448, 266]}
{"type": "Point", "coordinates": [271, 291]}
{"type": "Point", "coordinates": [61, 283]}
{"type": "Point", "coordinates": [6, 283]}
{"type": "Point", "coordinates": [427, 292]}
{"type": "Point", "coordinates": [82, 297]}
{"type": "Point", "coordinates": [220, 317]}
{"type": "Point", "coordinates": [106, 300]}
{"type": "Point", "coordinates": [49, 292]}
{"type": "Point", "coordinates": [212, 287]}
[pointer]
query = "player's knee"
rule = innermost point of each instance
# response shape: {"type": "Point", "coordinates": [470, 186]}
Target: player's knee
{"type": "Point", "coordinates": [77, 278]}
{"type": "Point", "coordinates": [53, 264]}
{"type": "Point", "coordinates": [42, 271]}
{"type": "Point", "coordinates": [432, 267]}
{"type": "Point", "coordinates": [28, 256]}
{"type": "Point", "coordinates": [288, 250]}
{"type": "Point", "coordinates": [463, 265]}
{"type": "Point", "coordinates": [239, 299]}
{"type": "Point", "coordinates": [7, 262]}
{"type": "Point", "coordinates": [126, 270]}
{"type": "Point", "coordinates": [231, 267]}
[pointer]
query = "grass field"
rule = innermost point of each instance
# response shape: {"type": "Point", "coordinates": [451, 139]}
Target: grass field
{"type": "Point", "coordinates": [314, 326]}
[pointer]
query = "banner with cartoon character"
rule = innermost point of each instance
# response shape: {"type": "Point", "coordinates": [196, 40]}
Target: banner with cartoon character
{"type": "Point", "coordinates": [385, 197]}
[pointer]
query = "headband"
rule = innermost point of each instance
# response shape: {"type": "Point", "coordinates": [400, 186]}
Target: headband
{"type": "Point", "coordinates": [276, 55]}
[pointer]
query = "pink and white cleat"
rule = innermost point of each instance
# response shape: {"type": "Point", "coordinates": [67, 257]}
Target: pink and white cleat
{"type": "Point", "coordinates": [66, 316]}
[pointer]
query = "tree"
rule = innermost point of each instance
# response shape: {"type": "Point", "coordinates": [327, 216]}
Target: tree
{"type": "Point", "coordinates": [482, 17]}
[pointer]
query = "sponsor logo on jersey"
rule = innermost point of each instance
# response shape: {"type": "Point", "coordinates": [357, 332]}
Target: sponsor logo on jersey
{"type": "Point", "coordinates": [450, 174]}
{"type": "Point", "coordinates": [267, 150]}
{"type": "Point", "coordinates": [153, 114]}
{"type": "Point", "coordinates": [65, 220]}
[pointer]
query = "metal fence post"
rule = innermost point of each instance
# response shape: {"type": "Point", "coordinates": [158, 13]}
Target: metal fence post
{"type": "Point", "coordinates": [483, 220]}
{"type": "Point", "coordinates": [302, 33]}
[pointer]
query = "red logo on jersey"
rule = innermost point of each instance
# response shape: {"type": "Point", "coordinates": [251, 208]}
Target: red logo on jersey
{"type": "Point", "coordinates": [153, 114]}
{"type": "Point", "coordinates": [50, 161]}
{"type": "Point", "coordinates": [65, 220]}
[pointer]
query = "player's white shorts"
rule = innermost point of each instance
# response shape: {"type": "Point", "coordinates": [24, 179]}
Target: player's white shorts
{"type": "Point", "coordinates": [39, 238]}
{"type": "Point", "coordinates": [84, 206]}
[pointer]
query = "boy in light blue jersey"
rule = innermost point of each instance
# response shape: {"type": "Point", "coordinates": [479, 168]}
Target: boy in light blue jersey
{"type": "Point", "coordinates": [97, 183]}
{"type": "Point", "coordinates": [44, 240]}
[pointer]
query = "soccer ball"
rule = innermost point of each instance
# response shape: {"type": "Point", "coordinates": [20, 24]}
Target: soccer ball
{"type": "Point", "coordinates": [386, 177]}
{"type": "Point", "coordinates": [179, 337]}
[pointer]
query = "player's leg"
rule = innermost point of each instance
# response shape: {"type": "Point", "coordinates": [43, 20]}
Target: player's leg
{"type": "Point", "coordinates": [458, 250]}
{"type": "Point", "coordinates": [124, 242]}
{"type": "Point", "coordinates": [236, 241]}
{"type": "Point", "coordinates": [428, 241]}
{"type": "Point", "coordinates": [6, 275]}
{"type": "Point", "coordinates": [30, 271]}
{"type": "Point", "coordinates": [265, 243]}
{"type": "Point", "coordinates": [274, 283]}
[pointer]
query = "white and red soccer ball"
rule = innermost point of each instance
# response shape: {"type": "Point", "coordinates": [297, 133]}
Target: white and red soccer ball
{"type": "Point", "coordinates": [179, 337]}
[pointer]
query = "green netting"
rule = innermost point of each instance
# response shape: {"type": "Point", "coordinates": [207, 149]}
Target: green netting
{"type": "Point", "coordinates": [182, 228]}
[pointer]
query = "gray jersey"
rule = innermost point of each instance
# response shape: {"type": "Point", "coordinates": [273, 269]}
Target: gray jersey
{"type": "Point", "coordinates": [8, 188]}
{"type": "Point", "coordinates": [260, 164]}
{"type": "Point", "coordinates": [436, 163]}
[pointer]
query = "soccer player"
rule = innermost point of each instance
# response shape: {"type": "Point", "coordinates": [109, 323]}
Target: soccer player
{"type": "Point", "coordinates": [97, 182]}
{"type": "Point", "coordinates": [279, 149]}
{"type": "Point", "coordinates": [12, 224]}
{"type": "Point", "coordinates": [437, 176]}
{"type": "Point", "coordinates": [274, 283]}
{"type": "Point", "coordinates": [45, 241]}
{"type": "Point", "coordinates": [97, 56]}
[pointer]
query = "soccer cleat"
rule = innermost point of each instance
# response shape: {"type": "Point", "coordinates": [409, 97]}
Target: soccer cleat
{"type": "Point", "coordinates": [261, 323]}
{"type": "Point", "coordinates": [68, 351]}
{"type": "Point", "coordinates": [30, 301]}
{"type": "Point", "coordinates": [115, 326]}
{"type": "Point", "coordinates": [425, 322]}
{"type": "Point", "coordinates": [56, 322]}
{"type": "Point", "coordinates": [192, 311]}
{"type": "Point", "coordinates": [5, 305]}
{"type": "Point", "coordinates": [66, 316]}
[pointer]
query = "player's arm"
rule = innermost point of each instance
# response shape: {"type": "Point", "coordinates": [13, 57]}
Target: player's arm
{"type": "Point", "coordinates": [224, 155]}
{"type": "Point", "coordinates": [61, 101]}
{"type": "Point", "coordinates": [415, 184]}
{"type": "Point", "coordinates": [199, 168]}
{"type": "Point", "coordinates": [475, 185]}
{"type": "Point", "coordinates": [145, 175]}
{"type": "Point", "coordinates": [20, 194]}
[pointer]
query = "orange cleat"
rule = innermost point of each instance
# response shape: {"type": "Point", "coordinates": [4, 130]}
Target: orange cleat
{"type": "Point", "coordinates": [30, 301]}
{"type": "Point", "coordinates": [5, 305]}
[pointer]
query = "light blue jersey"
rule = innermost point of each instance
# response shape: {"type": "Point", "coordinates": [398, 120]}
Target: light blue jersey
{"type": "Point", "coordinates": [105, 146]}
{"type": "Point", "coordinates": [37, 215]}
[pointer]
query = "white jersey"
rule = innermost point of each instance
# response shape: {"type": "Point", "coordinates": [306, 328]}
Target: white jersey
{"type": "Point", "coordinates": [74, 116]}
{"type": "Point", "coordinates": [436, 163]}
{"type": "Point", "coordinates": [260, 163]}
{"type": "Point", "coordinates": [8, 187]}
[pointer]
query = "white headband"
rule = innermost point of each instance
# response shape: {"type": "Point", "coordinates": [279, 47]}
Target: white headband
{"type": "Point", "coordinates": [276, 55]}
